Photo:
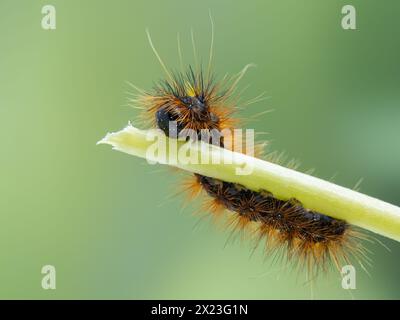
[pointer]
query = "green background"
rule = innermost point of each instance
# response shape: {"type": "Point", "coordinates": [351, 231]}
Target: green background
{"type": "Point", "coordinates": [105, 219]}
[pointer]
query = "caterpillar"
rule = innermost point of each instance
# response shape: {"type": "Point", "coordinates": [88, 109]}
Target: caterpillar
{"type": "Point", "coordinates": [196, 100]}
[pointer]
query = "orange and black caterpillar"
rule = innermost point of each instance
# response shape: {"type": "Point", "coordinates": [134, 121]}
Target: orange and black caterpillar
{"type": "Point", "coordinates": [313, 237]}
{"type": "Point", "coordinates": [197, 102]}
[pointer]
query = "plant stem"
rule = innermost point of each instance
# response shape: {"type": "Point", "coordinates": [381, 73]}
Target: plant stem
{"type": "Point", "coordinates": [314, 193]}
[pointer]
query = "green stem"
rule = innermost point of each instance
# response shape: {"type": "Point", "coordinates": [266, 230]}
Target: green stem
{"type": "Point", "coordinates": [314, 193]}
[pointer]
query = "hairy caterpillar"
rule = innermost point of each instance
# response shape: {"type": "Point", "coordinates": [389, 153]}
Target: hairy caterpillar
{"type": "Point", "coordinates": [196, 100]}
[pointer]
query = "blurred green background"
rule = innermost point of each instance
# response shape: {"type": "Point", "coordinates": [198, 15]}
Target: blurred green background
{"type": "Point", "coordinates": [104, 219]}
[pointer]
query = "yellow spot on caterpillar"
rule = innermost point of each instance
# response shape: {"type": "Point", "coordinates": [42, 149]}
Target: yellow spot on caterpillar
{"type": "Point", "coordinates": [190, 90]}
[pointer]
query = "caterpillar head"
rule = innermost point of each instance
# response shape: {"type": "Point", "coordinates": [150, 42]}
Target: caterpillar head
{"type": "Point", "coordinates": [188, 101]}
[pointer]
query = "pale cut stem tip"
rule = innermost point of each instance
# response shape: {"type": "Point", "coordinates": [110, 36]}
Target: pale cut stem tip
{"type": "Point", "coordinates": [315, 194]}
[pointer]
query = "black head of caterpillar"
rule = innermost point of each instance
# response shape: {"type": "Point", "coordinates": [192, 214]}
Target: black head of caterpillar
{"type": "Point", "coordinates": [189, 103]}
{"type": "Point", "coordinates": [310, 238]}
{"type": "Point", "coordinates": [190, 100]}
